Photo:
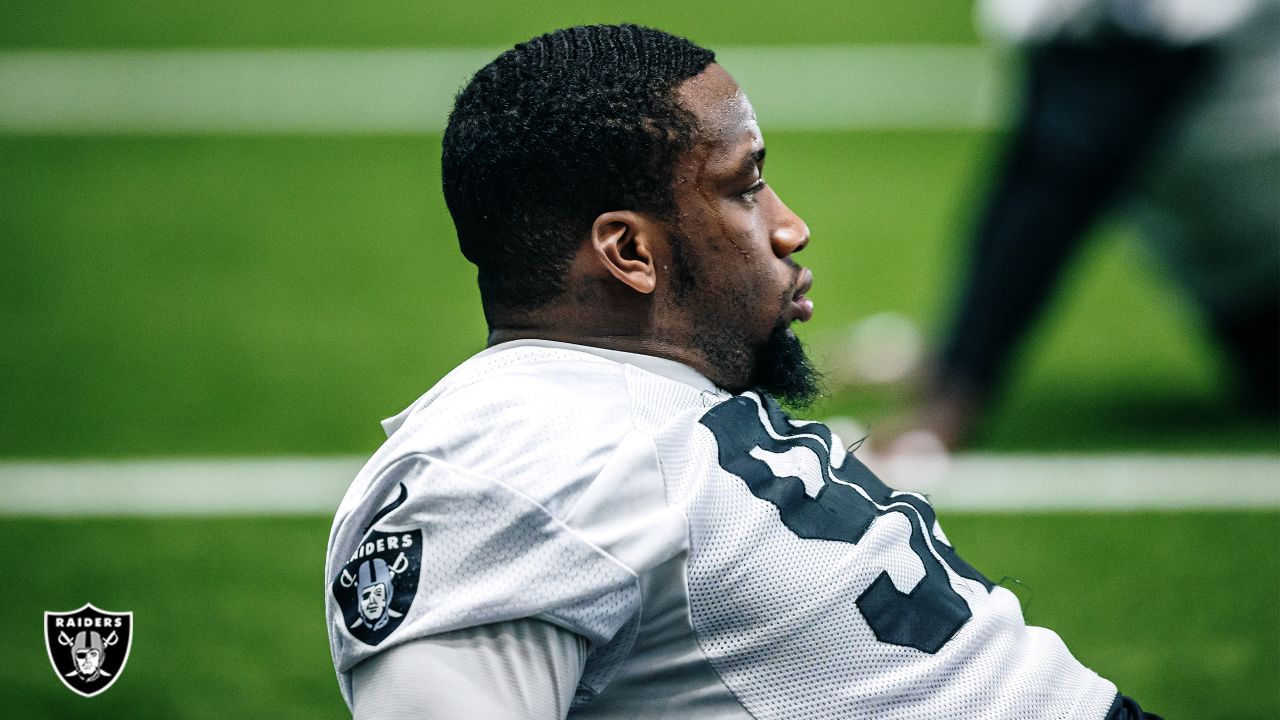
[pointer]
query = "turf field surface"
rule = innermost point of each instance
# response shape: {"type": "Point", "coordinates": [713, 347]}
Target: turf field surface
{"type": "Point", "coordinates": [979, 482]}
{"type": "Point", "coordinates": [229, 620]}
{"type": "Point", "coordinates": [371, 91]}
{"type": "Point", "coordinates": [263, 296]}
{"type": "Point", "coordinates": [454, 23]}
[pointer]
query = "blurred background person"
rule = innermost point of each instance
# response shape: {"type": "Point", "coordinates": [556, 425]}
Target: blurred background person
{"type": "Point", "coordinates": [1170, 108]}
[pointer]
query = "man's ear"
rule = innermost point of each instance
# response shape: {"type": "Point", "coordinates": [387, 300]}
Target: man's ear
{"type": "Point", "coordinates": [623, 242]}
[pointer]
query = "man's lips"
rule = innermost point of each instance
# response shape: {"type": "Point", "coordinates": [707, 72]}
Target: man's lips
{"type": "Point", "coordinates": [801, 302]}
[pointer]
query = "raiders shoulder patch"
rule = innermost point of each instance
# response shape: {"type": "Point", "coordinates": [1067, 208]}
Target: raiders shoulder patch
{"type": "Point", "coordinates": [378, 584]}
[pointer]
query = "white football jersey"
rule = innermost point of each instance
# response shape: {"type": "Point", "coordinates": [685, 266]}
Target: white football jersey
{"type": "Point", "coordinates": [720, 559]}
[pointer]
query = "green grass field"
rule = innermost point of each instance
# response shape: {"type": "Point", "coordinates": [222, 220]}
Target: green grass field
{"type": "Point", "coordinates": [274, 295]}
{"type": "Point", "coordinates": [229, 617]}
{"type": "Point", "coordinates": [231, 296]}
{"type": "Point", "coordinates": [347, 23]}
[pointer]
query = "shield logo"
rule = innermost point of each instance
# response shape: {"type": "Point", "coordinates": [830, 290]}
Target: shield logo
{"type": "Point", "coordinates": [378, 584]}
{"type": "Point", "coordinates": [88, 647]}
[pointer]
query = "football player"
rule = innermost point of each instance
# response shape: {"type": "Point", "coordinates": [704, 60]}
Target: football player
{"type": "Point", "coordinates": [606, 513]}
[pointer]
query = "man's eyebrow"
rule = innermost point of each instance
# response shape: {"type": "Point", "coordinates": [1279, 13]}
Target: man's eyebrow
{"type": "Point", "coordinates": [751, 161]}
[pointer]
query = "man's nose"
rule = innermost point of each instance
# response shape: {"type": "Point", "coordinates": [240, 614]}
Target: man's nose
{"type": "Point", "coordinates": [790, 234]}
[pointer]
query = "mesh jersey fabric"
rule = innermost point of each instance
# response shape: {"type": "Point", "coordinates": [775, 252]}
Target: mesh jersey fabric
{"type": "Point", "coordinates": [720, 559]}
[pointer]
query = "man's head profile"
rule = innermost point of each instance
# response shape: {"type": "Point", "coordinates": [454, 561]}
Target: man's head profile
{"type": "Point", "coordinates": [606, 182]}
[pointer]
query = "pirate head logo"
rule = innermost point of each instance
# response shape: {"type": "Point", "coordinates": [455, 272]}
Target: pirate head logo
{"type": "Point", "coordinates": [88, 647]}
{"type": "Point", "coordinates": [377, 585]}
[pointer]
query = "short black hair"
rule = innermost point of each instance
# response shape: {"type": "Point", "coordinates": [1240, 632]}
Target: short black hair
{"type": "Point", "coordinates": [551, 134]}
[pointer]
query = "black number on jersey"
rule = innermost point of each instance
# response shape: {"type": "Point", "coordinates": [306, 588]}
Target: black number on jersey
{"type": "Point", "coordinates": [925, 618]}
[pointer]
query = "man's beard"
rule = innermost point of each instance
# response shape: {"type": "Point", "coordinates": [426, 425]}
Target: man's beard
{"type": "Point", "coordinates": [782, 369]}
{"type": "Point", "coordinates": [778, 366]}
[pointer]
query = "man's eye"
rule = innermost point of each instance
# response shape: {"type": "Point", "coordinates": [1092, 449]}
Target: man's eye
{"type": "Point", "coordinates": [751, 191]}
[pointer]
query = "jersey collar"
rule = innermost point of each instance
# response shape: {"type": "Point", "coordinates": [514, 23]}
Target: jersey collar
{"type": "Point", "coordinates": [669, 369]}
{"type": "Point", "coordinates": [663, 367]}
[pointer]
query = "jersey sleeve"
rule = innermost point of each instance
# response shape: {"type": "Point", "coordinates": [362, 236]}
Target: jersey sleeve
{"type": "Point", "coordinates": [432, 548]}
{"type": "Point", "coordinates": [518, 669]}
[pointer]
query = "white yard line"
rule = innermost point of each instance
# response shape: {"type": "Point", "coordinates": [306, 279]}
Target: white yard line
{"type": "Point", "coordinates": [1109, 482]}
{"type": "Point", "coordinates": [353, 92]}
{"type": "Point", "coordinates": [185, 487]}
{"type": "Point", "coordinates": [976, 482]}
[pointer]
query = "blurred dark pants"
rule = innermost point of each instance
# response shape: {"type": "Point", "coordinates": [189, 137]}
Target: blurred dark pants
{"type": "Point", "coordinates": [1093, 113]}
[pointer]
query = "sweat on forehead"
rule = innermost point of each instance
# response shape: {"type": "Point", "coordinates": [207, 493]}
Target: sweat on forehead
{"type": "Point", "coordinates": [726, 122]}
